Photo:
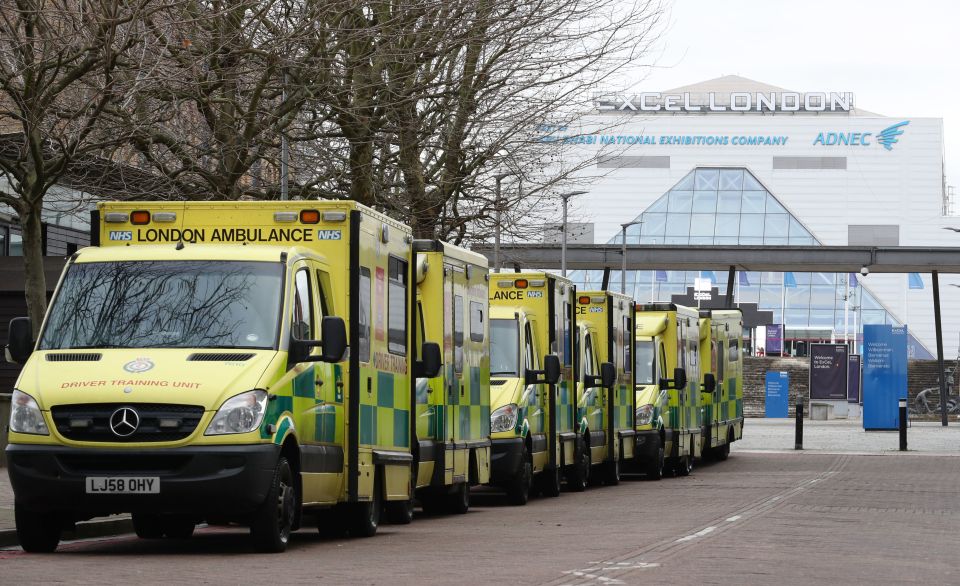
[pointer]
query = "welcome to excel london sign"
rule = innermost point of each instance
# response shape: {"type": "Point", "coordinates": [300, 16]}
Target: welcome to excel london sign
{"type": "Point", "coordinates": [727, 102]}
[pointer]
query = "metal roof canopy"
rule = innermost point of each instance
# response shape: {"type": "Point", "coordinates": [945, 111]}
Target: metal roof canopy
{"type": "Point", "coordinates": [814, 259]}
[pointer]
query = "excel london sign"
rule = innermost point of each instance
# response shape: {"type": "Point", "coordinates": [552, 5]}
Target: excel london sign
{"type": "Point", "coordinates": [728, 102]}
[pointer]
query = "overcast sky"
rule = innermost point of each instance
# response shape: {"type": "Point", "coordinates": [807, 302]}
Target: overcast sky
{"type": "Point", "coordinates": [900, 59]}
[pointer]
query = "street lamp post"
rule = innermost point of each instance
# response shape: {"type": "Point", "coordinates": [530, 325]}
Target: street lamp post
{"type": "Point", "coordinates": [563, 237]}
{"type": "Point", "coordinates": [496, 233]}
{"type": "Point", "coordinates": [623, 250]}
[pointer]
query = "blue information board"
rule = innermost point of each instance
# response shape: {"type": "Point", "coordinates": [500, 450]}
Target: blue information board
{"type": "Point", "coordinates": [884, 375]}
{"type": "Point", "coordinates": [778, 394]}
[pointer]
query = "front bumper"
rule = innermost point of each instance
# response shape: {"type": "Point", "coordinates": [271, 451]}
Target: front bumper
{"type": "Point", "coordinates": [506, 458]}
{"type": "Point", "coordinates": [215, 480]}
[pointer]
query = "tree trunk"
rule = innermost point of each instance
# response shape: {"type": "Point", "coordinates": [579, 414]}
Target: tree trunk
{"type": "Point", "coordinates": [35, 281]}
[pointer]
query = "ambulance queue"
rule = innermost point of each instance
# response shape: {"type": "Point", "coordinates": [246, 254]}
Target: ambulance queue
{"type": "Point", "coordinates": [275, 364]}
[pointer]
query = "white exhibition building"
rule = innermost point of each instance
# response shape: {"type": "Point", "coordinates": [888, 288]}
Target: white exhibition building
{"type": "Point", "coordinates": [734, 161]}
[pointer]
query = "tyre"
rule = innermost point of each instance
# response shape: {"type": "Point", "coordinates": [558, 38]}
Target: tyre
{"type": "Point", "coordinates": [684, 466]}
{"type": "Point", "coordinates": [578, 475]}
{"type": "Point", "coordinates": [611, 472]}
{"type": "Point", "coordinates": [458, 502]}
{"type": "Point", "coordinates": [549, 481]}
{"type": "Point", "coordinates": [365, 517]}
{"type": "Point", "coordinates": [399, 512]}
{"type": "Point", "coordinates": [147, 525]}
{"type": "Point", "coordinates": [37, 532]}
{"type": "Point", "coordinates": [177, 527]}
{"type": "Point", "coordinates": [433, 502]}
{"type": "Point", "coordinates": [518, 489]}
{"type": "Point", "coordinates": [654, 468]}
{"type": "Point", "coordinates": [273, 521]}
{"type": "Point", "coordinates": [722, 452]}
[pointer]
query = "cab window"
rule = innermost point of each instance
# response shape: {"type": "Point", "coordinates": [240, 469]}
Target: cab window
{"type": "Point", "coordinates": [626, 337]}
{"type": "Point", "coordinates": [528, 347]}
{"type": "Point", "coordinates": [324, 310]}
{"type": "Point", "coordinates": [458, 333]}
{"type": "Point", "coordinates": [588, 362]}
{"type": "Point", "coordinates": [302, 327]}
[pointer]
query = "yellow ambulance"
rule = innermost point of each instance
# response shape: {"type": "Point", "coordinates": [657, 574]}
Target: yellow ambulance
{"type": "Point", "coordinates": [667, 388]}
{"type": "Point", "coordinates": [532, 382]}
{"type": "Point", "coordinates": [721, 364]}
{"type": "Point", "coordinates": [606, 398]}
{"type": "Point", "coordinates": [452, 410]}
{"type": "Point", "coordinates": [193, 366]}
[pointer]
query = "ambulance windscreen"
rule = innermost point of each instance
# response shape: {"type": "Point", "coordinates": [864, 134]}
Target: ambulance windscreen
{"type": "Point", "coordinates": [166, 304]}
{"type": "Point", "coordinates": [645, 361]}
{"type": "Point", "coordinates": [504, 347]}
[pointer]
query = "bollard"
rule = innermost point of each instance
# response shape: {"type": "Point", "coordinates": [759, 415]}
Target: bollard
{"type": "Point", "coordinates": [903, 425]}
{"type": "Point", "coordinates": [798, 443]}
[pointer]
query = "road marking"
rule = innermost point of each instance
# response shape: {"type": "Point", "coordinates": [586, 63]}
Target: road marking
{"type": "Point", "coordinates": [734, 518]}
{"type": "Point", "coordinates": [700, 533]}
{"type": "Point", "coordinates": [592, 574]}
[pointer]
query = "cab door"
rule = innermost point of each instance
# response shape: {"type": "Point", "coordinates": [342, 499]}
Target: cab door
{"type": "Point", "coordinates": [317, 397]}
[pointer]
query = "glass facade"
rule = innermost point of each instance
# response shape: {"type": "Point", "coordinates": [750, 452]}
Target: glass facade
{"type": "Point", "coordinates": [730, 206]}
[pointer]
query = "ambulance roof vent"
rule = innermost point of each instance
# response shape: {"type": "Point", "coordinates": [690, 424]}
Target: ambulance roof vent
{"type": "Point", "coordinates": [74, 357]}
{"type": "Point", "coordinates": [219, 357]}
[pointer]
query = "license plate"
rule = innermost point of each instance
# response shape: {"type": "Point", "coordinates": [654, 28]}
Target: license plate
{"type": "Point", "coordinates": [123, 485]}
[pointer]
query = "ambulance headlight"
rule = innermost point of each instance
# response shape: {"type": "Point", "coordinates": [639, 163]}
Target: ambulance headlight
{"type": "Point", "coordinates": [25, 415]}
{"type": "Point", "coordinates": [644, 414]}
{"type": "Point", "coordinates": [239, 414]}
{"type": "Point", "coordinates": [504, 418]}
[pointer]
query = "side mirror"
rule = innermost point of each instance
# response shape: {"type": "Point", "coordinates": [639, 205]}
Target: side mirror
{"type": "Point", "coordinates": [551, 369]}
{"type": "Point", "coordinates": [334, 334]}
{"type": "Point", "coordinates": [608, 374]}
{"type": "Point", "coordinates": [709, 383]}
{"type": "Point", "coordinates": [549, 375]}
{"type": "Point", "coordinates": [679, 378]}
{"type": "Point", "coordinates": [430, 361]}
{"type": "Point", "coordinates": [19, 340]}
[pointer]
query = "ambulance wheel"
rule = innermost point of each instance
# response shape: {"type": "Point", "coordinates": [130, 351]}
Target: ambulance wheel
{"type": "Point", "coordinates": [611, 472]}
{"type": "Point", "coordinates": [273, 521]}
{"type": "Point", "coordinates": [365, 517]}
{"type": "Point", "coordinates": [399, 512]}
{"type": "Point", "coordinates": [458, 502]}
{"type": "Point", "coordinates": [722, 452]}
{"type": "Point", "coordinates": [549, 481]}
{"type": "Point", "coordinates": [578, 475]}
{"type": "Point", "coordinates": [654, 468]}
{"type": "Point", "coordinates": [37, 532]}
{"type": "Point", "coordinates": [684, 466]}
{"type": "Point", "coordinates": [175, 527]}
{"type": "Point", "coordinates": [519, 487]}
{"type": "Point", "coordinates": [147, 525]}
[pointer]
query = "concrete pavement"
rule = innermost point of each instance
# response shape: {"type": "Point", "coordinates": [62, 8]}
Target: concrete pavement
{"type": "Point", "coordinates": [760, 436]}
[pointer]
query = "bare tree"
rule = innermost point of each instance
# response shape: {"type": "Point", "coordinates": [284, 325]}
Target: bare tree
{"type": "Point", "coordinates": [57, 64]}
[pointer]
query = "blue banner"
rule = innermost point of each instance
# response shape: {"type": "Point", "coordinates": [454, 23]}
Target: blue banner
{"type": "Point", "coordinates": [884, 375]}
{"type": "Point", "coordinates": [774, 342]}
{"type": "Point", "coordinates": [778, 394]}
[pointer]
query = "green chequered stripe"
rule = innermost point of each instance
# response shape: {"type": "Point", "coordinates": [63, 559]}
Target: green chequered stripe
{"type": "Point", "coordinates": [624, 414]}
{"type": "Point", "coordinates": [384, 420]}
{"type": "Point", "coordinates": [304, 385]}
{"type": "Point", "coordinates": [274, 409]}
{"type": "Point", "coordinates": [565, 408]}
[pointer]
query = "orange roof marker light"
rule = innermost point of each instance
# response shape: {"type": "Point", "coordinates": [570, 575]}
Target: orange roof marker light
{"type": "Point", "coordinates": [309, 216]}
{"type": "Point", "coordinates": [520, 283]}
{"type": "Point", "coordinates": [140, 217]}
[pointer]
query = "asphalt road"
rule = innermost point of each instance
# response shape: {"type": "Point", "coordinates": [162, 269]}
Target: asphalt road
{"type": "Point", "coordinates": [758, 518]}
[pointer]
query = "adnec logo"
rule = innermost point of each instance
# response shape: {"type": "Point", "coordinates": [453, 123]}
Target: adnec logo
{"type": "Point", "coordinates": [885, 138]}
{"type": "Point", "coordinates": [121, 235]}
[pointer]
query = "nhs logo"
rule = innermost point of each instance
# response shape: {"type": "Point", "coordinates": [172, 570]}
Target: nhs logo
{"type": "Point", "coordinates": [121, 235]}
{"type": "Point", "coordinates": [885, 138]}
{"type": "Point", "coordinates": [328, 234]}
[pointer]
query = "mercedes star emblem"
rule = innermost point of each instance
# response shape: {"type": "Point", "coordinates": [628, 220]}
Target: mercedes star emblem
{"type": "Point", "coordinates": [124, 422]}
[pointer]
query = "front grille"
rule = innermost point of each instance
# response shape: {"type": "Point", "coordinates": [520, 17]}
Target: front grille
{"type": "Point", "coordinates": [127, 463]}
{"type": "Point", "coordinates": [158, 422]}
{"type": "Point", "coordinates": [219, 357]}
{"type": "Point", "coordinates": [74, 357]}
